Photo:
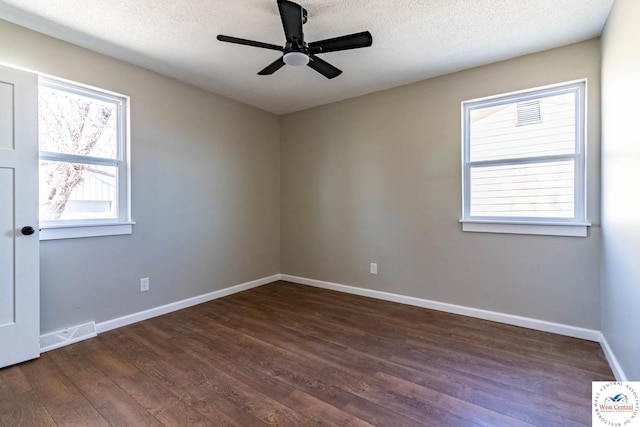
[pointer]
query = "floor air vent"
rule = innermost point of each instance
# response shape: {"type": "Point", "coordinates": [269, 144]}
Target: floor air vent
{"type": "Point", "coordinates": [67, 336]}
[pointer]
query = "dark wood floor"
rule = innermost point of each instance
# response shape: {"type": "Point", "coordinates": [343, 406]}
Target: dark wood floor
{"type": "Point", "coordinates": [290, 355]}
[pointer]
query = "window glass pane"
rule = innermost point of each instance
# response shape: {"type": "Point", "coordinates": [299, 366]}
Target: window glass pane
{"type": "Point", "coordinates": [527, 190]}
{"type": "Point", "coordinates": [513, 131]}
{"type": "Point", "coordinates": [77, 191]}
{"type": "Point", "coordinates": [75, 124]}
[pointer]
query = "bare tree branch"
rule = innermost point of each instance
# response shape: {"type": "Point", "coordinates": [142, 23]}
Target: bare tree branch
{"type": "Point", "coordinates": [69, 125]}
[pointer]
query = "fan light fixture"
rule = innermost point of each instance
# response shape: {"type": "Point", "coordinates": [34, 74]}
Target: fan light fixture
{"type": "Point", "coordinates": [296, 51]}
{"type": "Point", "coordinates": [295, 58]}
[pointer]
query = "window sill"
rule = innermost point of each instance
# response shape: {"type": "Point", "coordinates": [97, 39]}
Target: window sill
{"type": "Point", "coordinates": [535, 228]}
{"type": "Point", "coordinates": [56, 232]}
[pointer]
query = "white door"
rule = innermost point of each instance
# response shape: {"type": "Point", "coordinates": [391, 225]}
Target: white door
{"type": "Point", "coordinates": [19, 250]}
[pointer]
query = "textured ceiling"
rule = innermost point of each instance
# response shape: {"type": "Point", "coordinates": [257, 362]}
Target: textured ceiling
{"type": "Point", "coordinates": [412, 39]}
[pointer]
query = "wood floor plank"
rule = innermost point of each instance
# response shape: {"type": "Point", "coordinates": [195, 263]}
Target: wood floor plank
{"type": "Point", "coordinates": [258, 372]}
{"type": "Point", "coordinates": [475, 414]}
{"type": "Point", "coordinates": [268, 369]}
{"type": "Point", "coordinates": [290, 355]}
{"type": "Point", "coordinates": [113, 403]}
{"type": "Point", "coordinates": [61, 398]}
{"type": "Point", "coordinates": [297, 343]}
{"type": "Point", "coordinates": [24, 411]}
{"type": "Point", "coordinates": [171, 376]}
{"type": "Point", "coordinates": [452, 333]}
{"type": "Point", "coordinates": [112, 361]}
{"type": "Point", "coordinates": [162, 404]}
{"type": "Point", "coordinates": [301, 366]}
{"type": "Point", "coordinates": [13, 381]}
{"type": "Point", "coordinates": [220, 381]}
{"type": "Point", "coordinates": [351, 379]}
{"type": "Point", "coordinates": [536, 376]}
{"type": "Point", "coordinates": [585, 383]}
{"type": "Point", "coordinates": [322, 413]}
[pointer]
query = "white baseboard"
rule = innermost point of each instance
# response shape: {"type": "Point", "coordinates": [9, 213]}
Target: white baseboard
{"type": "Point", "coordinates": [540, 325]}
{"type": "Point", "coordinates": [613, 361]}
{"type": "Point", "coordinates": [510, 319]}
{"type": "Point", "coordinates": [179, 305]}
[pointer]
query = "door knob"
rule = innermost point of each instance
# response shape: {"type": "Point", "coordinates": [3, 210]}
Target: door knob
{"type": "Point", "coordinates": [28, 230]}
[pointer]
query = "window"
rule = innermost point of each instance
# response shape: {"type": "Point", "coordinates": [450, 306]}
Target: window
{"type": "Point", "coordinates": [84, 171]}
{"type": "Point", "coordinates": [524, 162]}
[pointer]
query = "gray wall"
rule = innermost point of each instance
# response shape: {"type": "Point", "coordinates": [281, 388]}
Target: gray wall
{"type": "Point", "coordinates": [378, 179]}
{"type": "Point", "coordinates": [205, 193]}
{"type": "Point", "coordinates": [620, 178]}
{"type": "Point", "coordinates": [372, 179]}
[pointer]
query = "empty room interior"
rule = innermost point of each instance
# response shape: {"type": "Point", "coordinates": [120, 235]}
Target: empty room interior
{"type": "Point", "coordinates": [316, 245]}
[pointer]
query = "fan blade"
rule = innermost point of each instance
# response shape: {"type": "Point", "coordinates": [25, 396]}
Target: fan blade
{"type": "Point", "coordinates": [323, 67]}
{"type": "Point", "coordinates": [352, 41]}
{"type": "Point", "coordinates": [273, 67]}
{"type": "Point", "coordinates": [291, 15]}
{"type": "Point", "coordinates": [246, 42]}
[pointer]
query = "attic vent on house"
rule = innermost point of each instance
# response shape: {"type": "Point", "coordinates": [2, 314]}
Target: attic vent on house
{"type": "Point", "coordinates": [528, 113]}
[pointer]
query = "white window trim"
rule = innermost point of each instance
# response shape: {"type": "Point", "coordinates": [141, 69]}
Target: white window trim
{"type": "Point", "coordinates": [85, 230]}
{"type": "Point", "coordinates": [535, 228]}
{"type": "Point", "coordinates": [572, 227]}
{"type": "Point", "coordinates": [54, 230]}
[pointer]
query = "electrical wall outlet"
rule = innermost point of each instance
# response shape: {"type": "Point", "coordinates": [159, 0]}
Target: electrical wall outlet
{"type": "Point", "coordinates": [144, 284]}
{"type": "Point", "coordinates": [374, 268]}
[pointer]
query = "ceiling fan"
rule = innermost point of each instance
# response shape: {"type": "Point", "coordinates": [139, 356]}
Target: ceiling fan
{"type": "Point", "coordinates": [296, 51]}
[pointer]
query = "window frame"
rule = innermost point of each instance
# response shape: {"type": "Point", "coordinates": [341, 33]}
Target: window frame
{"type": "Point", "coordinates": [122, 224]}
{"type": "Point", "coordinates": [577, 225]}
